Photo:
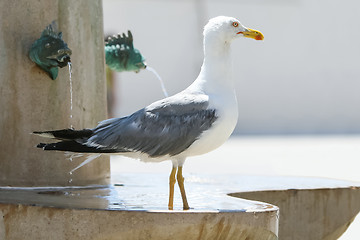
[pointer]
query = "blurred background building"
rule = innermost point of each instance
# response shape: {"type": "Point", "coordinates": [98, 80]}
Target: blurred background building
{"type": "Point", "coordinates": [303, 79]}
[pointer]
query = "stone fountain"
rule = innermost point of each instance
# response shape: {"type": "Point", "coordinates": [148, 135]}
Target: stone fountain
{"type": "Point", "coordinates": [39, 199]}
{"type": "Point", "coordinates": [30, 100]}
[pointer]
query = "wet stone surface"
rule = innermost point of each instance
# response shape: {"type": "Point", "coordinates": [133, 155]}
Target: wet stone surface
{"type": "Point", "coordinates": [144, 192]}
{"type": "Point", "coordinates": [149, 192]}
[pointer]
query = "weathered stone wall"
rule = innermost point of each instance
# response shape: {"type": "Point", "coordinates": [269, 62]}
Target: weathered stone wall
{"type": "Point", "coordinates": [31, 101]}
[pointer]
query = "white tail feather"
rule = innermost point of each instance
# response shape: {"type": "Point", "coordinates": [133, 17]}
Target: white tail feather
{"type": "Point", "coordinates": [88, 160]}
{"type": "Point", "coordinates": [44, 134]}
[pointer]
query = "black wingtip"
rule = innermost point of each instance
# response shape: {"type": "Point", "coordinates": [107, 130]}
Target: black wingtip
{"type": "Point", "coordinates": [41, 145]}
{"type": "Point", "coordinates": [65, 134]}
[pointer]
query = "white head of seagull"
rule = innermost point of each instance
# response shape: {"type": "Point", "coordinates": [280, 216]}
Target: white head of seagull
{"type": "Point", "coordinates": [216, 70]}
{"type": "Point", "coordinates": [220, 31]}
{"type": "Point", "coordinates": [192, 122]}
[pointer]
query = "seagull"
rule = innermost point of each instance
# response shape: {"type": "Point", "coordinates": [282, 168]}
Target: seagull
{"type": "Point", "coordinates": [192, 122]}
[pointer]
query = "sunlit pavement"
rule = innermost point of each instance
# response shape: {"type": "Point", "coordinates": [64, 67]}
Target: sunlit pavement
{"type": "Point", "coordinates": [317, 156]}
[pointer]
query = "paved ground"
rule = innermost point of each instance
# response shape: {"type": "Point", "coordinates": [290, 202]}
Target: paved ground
{"type": "Point", "coordinates": [319, 156]}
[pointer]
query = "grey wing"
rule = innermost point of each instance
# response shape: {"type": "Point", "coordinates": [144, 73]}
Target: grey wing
{"type": "Point", "coordinates": [166, 127]}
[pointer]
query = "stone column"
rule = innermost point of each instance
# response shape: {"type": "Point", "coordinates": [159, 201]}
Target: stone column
{"type": "Point", "coordinates": [31, 101]}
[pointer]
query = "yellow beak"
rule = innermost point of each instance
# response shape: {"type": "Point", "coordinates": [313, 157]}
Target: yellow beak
{"type": "Point", "coordinates": [251, 33]}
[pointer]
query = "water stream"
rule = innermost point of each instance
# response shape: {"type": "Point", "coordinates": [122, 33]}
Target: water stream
{"type": "Point", "coordinates": [71, 93]}
{"type": "Point", "coordinates": [160, 79]}
{"type": "Point", "coordinates": [71, 108]}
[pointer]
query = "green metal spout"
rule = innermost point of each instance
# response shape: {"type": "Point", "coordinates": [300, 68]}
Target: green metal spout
{"type": "Point", "coordinates": [50, 51]}
{"type": "Point", "coordinates": [121, 55]}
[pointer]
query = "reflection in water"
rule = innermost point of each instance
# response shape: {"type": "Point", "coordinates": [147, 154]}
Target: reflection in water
{"type": "Point", "coordinates": [69, 197]}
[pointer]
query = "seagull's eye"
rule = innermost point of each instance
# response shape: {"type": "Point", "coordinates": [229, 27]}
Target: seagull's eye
{"type": "Point", "coordinates": [235, 24]}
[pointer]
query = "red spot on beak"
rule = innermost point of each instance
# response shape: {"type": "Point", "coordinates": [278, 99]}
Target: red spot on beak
{"type": "Point", "coordinates": [258, 37]}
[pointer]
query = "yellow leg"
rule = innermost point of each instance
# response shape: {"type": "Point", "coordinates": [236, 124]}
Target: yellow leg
{"type": "Point", "coordinates": [172, 182]}
{"type": "Point", "coordinates": [180, 180]}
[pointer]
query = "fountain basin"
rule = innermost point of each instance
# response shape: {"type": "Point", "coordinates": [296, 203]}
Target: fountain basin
{"type": "Point", "coordinates": [134, 206]}
{"type": "Point", "coordinates": [31, 222]}
{"type": "Point", "coordinates": [133, 209]}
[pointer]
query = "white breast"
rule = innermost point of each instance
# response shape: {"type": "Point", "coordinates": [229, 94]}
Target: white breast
{"type": "Point", "coordinates": [220, 131]}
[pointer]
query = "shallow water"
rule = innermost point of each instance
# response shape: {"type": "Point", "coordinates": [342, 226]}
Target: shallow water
{"type": "Point", "coordinates": [142, 192]}
{"type": "Point", "coordinates": [149, 192]}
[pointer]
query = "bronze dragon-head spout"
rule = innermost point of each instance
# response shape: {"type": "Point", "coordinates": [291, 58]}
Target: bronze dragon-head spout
{"type": "Point", "coordinates": [50, 51]}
